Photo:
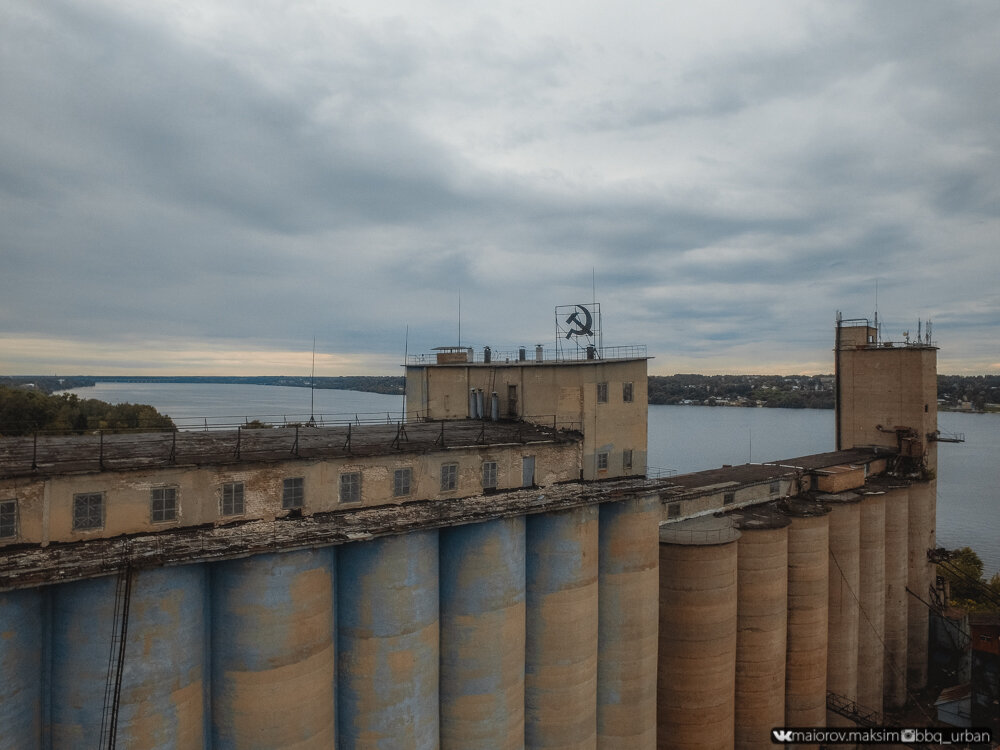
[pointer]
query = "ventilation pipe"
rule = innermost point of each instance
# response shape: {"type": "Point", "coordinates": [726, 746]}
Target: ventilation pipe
{"type": "Point", "coordinates": [480, 409]}
{"type": "Point", "coordinates": [472, 403]}
{"type": "Point", "coordinates": [539, 353]}
{"type": "Point", "coordinates": [487, 355]}
{"type": "Point", "coordinates": [522, 355]}
{"type": "Point", "coordinates": [494, 407]}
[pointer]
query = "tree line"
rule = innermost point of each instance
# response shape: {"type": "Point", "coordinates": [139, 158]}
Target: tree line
{"type": "Point", "coordinates": [27, 410]}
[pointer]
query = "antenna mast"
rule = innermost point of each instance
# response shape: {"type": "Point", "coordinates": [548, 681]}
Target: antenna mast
{"type": "Point", "coordinates": [312, 387]}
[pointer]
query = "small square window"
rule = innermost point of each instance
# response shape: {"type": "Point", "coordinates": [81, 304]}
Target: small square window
{"type": "Point", "coordinates": [602, 461]}
{"type": "Point", "coordinates": [729, 498]}
{"type": "Point", "coordinates": [449, 477]}
{"type": "Point", "coordinates": [350, 487]}
{"type": "Point", "coordinates": [489, 475]}
{"type": "Point", "coordinates": [88, 511]}
{"type": "Point", "coordinates": [163, 504]}
{"type": "Point", "coordinates": [232, 499]}
{"type": "Point", "coordinates": [674, 510]}
{"type": "Point", "coordinates": [602, 393]}
{"type": "Point", "coordinates": [627, 458]}
{"type": "Point", "coordinates": [8, 519]}
{"type": "Point", "coordinates": [627, 393]}
{"type": "Point", "coordinates": [401, 479]}
{"type": "Point", "coordinates": [293, 493]}
{"type": "Point", "coordinates": [775, 488]}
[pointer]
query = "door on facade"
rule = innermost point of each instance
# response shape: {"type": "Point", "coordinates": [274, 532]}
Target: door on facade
{"type": "Point", "coordinates": [512, 401]}
{"type": "Point", "coordinates": [528, 471]}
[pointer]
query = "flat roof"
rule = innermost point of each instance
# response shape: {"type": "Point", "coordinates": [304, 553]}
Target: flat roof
{"type": "Point", "coordinates": [72, 454]}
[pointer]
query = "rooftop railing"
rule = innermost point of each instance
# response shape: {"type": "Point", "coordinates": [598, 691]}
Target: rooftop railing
{"type": "Point", "coordinates": [529, 355]}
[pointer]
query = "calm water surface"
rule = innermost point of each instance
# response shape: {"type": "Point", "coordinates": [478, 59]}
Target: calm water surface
{"type": "Point", "coordinates": [683, 438]}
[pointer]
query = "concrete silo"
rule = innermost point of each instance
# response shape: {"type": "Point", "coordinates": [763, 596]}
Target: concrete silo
{"type": "Point", "coordinates": [21, 646]}
{"type": "Point", "coordinates": [560, 674]}
{"type": "Point", "coordinates": [162, 683]}
{"type": "Point", "coordinates": [696, 683]}
{"type": "Point", "coordinates": [896, 523]}
{"type": "Point", "coordinates": [761, 625]}
{"type": "Point", "coordinates": [920, 576]}
{"type": "Point", "coordinates": [808, 614]}
{"type": "Point", "coordinates": [871, 624]}
{"type": "Point", "coordinates": [628, 585]}
{"type": "Point", "coordinates": [272, 626]}
{"type": "Point", "coordinates": [844, 585]}
{"type": "Point", "coordinates": [387, 642]}
{"type": "Point", "coordinates": [482, 635]}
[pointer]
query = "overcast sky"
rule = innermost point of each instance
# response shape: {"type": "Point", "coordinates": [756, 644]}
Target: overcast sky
{"type": "Point", "coordinates": [204, 187]}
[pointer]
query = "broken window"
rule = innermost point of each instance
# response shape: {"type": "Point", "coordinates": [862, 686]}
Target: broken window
{"type": "Point", "coordinates": [401, 482]}
{"type": "Point", "coordinates": [293, 493]}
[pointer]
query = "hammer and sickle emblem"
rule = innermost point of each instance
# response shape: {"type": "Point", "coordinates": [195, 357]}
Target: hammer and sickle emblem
{"type": "Point", "coordinates": [584, 325]}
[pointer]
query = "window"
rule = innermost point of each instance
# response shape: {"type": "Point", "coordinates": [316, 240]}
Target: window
{"type": "Point", "coordinates": [350, 487]}
{"type": "Point", "coordinates": [88, 511]}
{"type": "Point", "coordinates": [774, 488]}
{"type": "Point", "coordinates": [8, 519]}
{"type": "Point", "coordinates": [401, 482]}
{"type": "Point", "coordinates": [602, 393]}
{"type": "Point", "coordinates": [163, 504]}
{"type": "Point", "coordinates": [232, 499]}
{"type": "Point", "coordinates": [627, 393]}
{"type": "Point", "coordinates": [489, 475]}
{"type": "Point", "coordinates": [293, 492]}
{"type": "Point", "coordinates": [729, 498]}
{"type": "Point", "coordinates": [449, 477]}
{"type": "Point", "coordinates": [674, 510]}
{"type": "Point", "coordinates": [627, 458]}
{"type": "Point", "coordinates": [602, 461]}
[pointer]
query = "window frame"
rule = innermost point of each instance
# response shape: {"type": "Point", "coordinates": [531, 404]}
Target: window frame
{"type": "Point", "coordinates": [449, 476]}
{"type": "Point", "coordinates": [293, 493]}
{"type": "Point", "coordinates": [628, 392]}
{"type": "Point", "coordinates": [627, 459]}
{"type": "Point", "coordinates": [603, 460]}
{"type": "Point", "coordinates": [402, 482]}
{"type": "Point", "coordinates": [774, 488]}
{"type": "Point", "coordinates": [673, 510]}
{"type": "Point", "coordinates": [91, 498]}
{"type": "Point", "coordinates": [162, 501]}
{"type": "Point", "coordinates": [490, 475]}
{"type": "Point", "coordinates": [233, 497]}
{"type": "Point", "coordinates": [8, 518]}
{"type": "Point", "coordinates": [349, 487]}
{"type": "Point", "coordinates": [602, 393]}
{"type": "Point", "coordinates": [728, 498]}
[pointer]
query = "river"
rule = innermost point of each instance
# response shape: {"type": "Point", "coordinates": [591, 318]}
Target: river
{"type": "Point", "coordinates": [682, 438]}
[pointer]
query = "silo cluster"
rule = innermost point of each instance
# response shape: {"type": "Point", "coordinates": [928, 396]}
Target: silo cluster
{"type": "Point", "coordinates": [764, 612]}
{"type": "Point", "coordinates": [528, 631]}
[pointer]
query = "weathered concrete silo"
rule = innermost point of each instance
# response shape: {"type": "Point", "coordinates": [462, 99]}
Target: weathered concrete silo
{"type": "Point", "coordinates": [628, 586]}
{"type": "Point", "coordinates": [21, 646]}
{"type": "Point", "coordinates": [808, 613]}
{"type": "Point", "coordinates": [844, 585]}
{"type": "Point", "coordinates": [560, 675]}
{"type": "Point", "coordinates": [387, 642]}
{"type": "Point", "coordinates": [896, 522]}
{"type": "Point", "coordinates": [272, 626]}
{"type": "Point", "coordinates": [162, 701]}
{"type": "Point", "coordinates": [761, 625]}
{"type": "Point", "coordinates": [482, 635]}
{"type": "Point", "coordinates": [920, 576]}
{"type": "Point", "coordinates": [871, 625]}
{"type": "Point", "coordinates": [696, 683]}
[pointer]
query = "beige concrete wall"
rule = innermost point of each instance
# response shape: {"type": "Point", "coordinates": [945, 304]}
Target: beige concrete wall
{"type": "Point", "coordinates": [871, 624]}
{"type": "Point", "coordinates": [844, 584]}
{"type": "Point", "coordinates": [896, 522]}
{"type": "Point", "coordinates": [45, 507]}
{"type": "Point", "coordinates": [563, 394]}
{"type": "Point", "coordinates": [744, 494]}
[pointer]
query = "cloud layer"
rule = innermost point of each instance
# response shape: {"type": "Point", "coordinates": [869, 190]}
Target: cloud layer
{"type": "Point", "coordinates": [205, 189]}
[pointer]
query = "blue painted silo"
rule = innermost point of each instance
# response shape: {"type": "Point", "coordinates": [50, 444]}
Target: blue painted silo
{"type": "Point", "coordinates": [273, 658]}
{"type": "Point", "coordinates": [21, 644]}
{"type": "Point", "coordinates": [482, 635]}
{"type": "Point", "coordinates": [387, 642]}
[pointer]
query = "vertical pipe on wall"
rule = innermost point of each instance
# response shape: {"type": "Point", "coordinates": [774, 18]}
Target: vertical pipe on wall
{"type": "Point", "coordinates": [761, 625]}
{"type": "Point", "coordinates": [272, 651]}
{"type": "Point", "coordinates": [560, 681]}
{"type": "Point", "coordinates": [808, 614]}
{"type": "Point", "coordinates": [161, 703]}
{"type": "Point", "coordinates": [482, 635]}
{"type": "Point", "coordinates": [844, 585]}
{"type": "Point", "coordinates": [696, 681]}
{"type": "Point", "coordinates": [894, 674]}
{"type": "Point", "coordinates": [628, 599]}
{"type": "Point", "coordinates": [387, 642]}
{"type": "Point", "coordinates": [871, 626]}
{"type": "Point", "coordinates": [21, 632]}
